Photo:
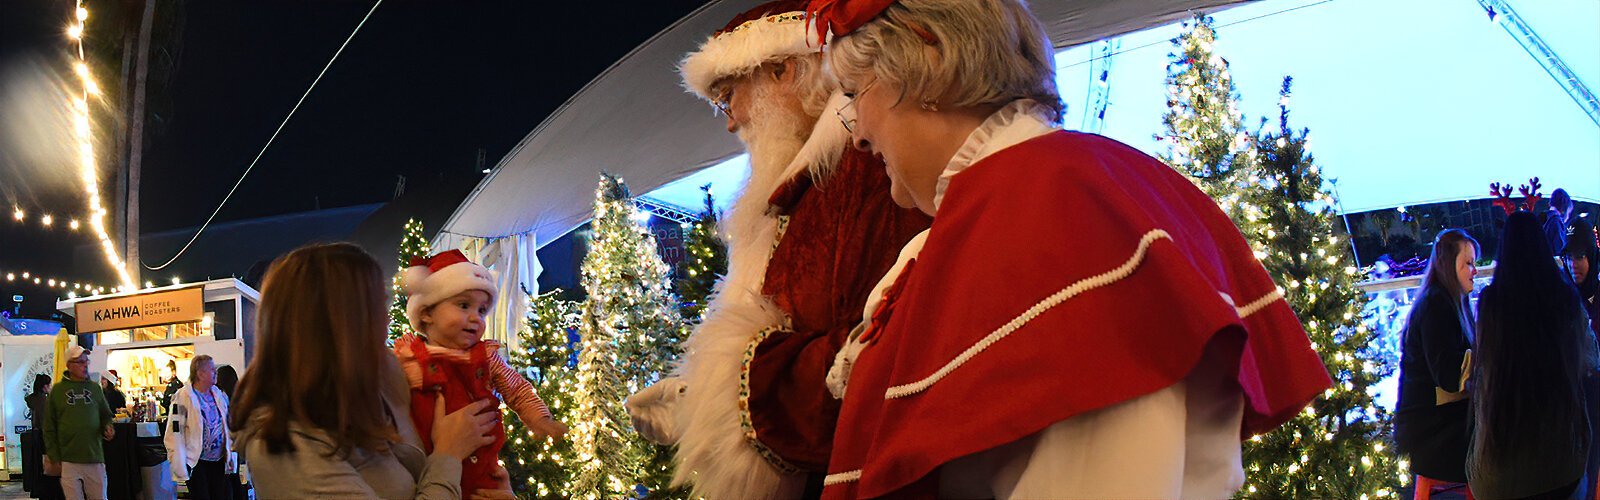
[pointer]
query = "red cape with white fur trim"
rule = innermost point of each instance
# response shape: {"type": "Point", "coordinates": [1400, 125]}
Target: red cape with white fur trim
{"type": "Point", "coordinates": [1061, 275]}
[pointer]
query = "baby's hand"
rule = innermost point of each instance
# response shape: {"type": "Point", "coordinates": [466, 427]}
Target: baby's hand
{"type": "Point", "coordinates": [548, 427]}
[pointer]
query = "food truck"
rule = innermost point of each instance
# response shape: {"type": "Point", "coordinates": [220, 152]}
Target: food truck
{"type": "Point", "coordinates": [148, 337]}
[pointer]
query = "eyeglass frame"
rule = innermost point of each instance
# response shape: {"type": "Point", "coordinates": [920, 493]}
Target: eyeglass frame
{"type": "Point", "coordinates": [849, 122]}
{"type": "Point", "coordinates": [723, 102]}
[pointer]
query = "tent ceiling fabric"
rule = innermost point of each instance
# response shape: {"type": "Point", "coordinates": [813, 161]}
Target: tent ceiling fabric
{"type": "Point", "coordinates": [635, 120]}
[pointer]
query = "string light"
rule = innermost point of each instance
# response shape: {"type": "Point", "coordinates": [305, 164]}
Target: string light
{"type": "Point", "coordinates": [87, 170]}
{"type": "Point", "coordinates": [52, 282]}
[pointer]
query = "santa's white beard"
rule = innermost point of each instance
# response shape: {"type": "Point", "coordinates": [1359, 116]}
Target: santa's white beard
{"type": "Point", "coordinates": [713, 451]}
{"type": "Point", "coordinates": [773, 136]}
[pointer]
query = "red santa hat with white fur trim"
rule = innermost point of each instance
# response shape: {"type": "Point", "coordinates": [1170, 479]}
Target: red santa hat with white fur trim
{"type": "Point", "coordinates": [771, 32]}
{"type": "Point", "coordinates": [432, 280]}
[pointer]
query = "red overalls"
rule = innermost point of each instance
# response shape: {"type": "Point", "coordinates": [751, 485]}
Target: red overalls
{"type": "Point", "coordinates": [460, 383]}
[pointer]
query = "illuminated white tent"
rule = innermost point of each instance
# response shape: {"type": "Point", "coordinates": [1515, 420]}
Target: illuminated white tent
{"type": "Point", "coordinates": [636, 121]}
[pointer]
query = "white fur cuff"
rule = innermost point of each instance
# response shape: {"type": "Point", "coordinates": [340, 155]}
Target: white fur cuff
{"type": "Point", "coordinates": [738, 52]}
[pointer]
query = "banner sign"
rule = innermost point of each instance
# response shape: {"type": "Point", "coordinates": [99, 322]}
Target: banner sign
{"type": "Point", "coordinates": [160, 308]}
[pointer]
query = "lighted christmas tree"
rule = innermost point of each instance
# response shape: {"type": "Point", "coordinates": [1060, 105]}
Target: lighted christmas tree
{"type": "Point", "coordinates": [1203, 131]}
{"type": "Point", "coordinates": [1340, 446]}
{"type": "Point", "coordinates": [412, 244]}
{"type": "Point", "coordinates": [706, 263]}
{"type": "Point", "coordinates": [631, 334]}
{"type": "Point", "coordinates": [541, 468]}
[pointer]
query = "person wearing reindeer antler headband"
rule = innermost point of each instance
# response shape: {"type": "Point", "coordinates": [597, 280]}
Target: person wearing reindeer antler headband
{"type": "Point", "coordinates": [1556, 217]}
{"type": "Point", "coordinates": [1080, 321]}
{"type": "Point", "coordinates": [1532, 352]}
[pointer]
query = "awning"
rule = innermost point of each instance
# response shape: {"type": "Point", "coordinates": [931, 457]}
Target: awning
{"type": "Point", "coordinates": [635, 120]}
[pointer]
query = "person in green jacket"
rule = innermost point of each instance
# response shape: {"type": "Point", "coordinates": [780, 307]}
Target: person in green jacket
{"type": "Point", "coordinates": [75, 422]}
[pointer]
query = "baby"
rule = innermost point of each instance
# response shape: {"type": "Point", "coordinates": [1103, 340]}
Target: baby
{"type": "Point", "coordinates": [448, 358]}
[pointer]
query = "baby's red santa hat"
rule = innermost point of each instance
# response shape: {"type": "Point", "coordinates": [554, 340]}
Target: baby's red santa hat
{"type": "Point", "coordinates": [432, 280]}
{"type": "Point", "coordinates": [770, 32]}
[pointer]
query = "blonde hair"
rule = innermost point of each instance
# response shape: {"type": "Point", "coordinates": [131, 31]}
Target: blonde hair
{"type": "Point", "coordinates": [990, 52]}
{"type": "Point", "coordinates": [194, 366]}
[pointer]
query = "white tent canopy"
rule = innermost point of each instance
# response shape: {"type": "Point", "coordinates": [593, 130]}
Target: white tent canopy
{"type": "Point", "coordinates": [636, 121]}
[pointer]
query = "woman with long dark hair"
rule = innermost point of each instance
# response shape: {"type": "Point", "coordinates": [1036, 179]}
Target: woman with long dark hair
{"type": "Point", "coordinates": [227, 380]}
{"type": "Point", "coordinates": [1430, 419]}
{"type": "Point", "coordinates": [315, 414]}
{"type": "Point", "coordinates": [1530, 437]}
{"type": "Point", "coordinates": [36, 482]}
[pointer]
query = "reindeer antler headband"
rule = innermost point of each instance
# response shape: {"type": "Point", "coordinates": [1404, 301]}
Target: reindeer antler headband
{"type": "Point", "coordinates": [1502, 194]}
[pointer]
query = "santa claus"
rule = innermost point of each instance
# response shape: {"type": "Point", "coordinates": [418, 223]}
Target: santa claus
{"type": "Point", "coordinates": [813, 230]}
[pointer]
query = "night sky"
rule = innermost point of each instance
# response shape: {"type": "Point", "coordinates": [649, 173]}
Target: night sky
{"type": "Point", "coordinates": [420, 90]}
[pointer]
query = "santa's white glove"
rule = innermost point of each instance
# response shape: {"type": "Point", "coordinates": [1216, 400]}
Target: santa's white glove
{"type": "Point", "coordinates": [651, 410]}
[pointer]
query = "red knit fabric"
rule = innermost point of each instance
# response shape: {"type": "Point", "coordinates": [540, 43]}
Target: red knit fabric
{"type": "Point", "coordinates": [1017, 227]}
{"type": "Point", "coordinates": [459, 383]}
{"type": "Point", "coordinates": [843, 234]}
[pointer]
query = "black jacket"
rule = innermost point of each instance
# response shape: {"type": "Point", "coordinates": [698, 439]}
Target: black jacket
{"type": "Point", "coordinates": [116, 399]}
{"type": "Point", "coordinates": [1435, 343]}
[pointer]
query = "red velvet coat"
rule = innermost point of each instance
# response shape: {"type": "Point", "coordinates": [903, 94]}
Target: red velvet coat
{"type": "Point", "coordinates": [1062, 275]}
{"type": "Point", "coordinates": [841, 236]}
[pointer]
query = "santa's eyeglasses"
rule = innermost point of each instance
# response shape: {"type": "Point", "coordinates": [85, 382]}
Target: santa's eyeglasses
{"type": "Point", "coordinates": [721, 103]}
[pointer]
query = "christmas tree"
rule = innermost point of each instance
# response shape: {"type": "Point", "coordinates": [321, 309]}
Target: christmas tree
{"type": "Point", "coordinates": [540, 467]}
{"type": "Point", "coordinates": [707, 261]}
{"type": "Point", "coordinates": [1203, 127]}
{"type": "Point", "coordinates": [1339, 447]}
{"type": "Point", "coordinates": [412, 245]}
{"type": "Point", "coordinates": [631, 334]}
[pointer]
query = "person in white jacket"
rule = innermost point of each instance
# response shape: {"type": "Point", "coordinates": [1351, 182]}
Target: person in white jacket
{"type": "Point", "coordinates": [198, 442]}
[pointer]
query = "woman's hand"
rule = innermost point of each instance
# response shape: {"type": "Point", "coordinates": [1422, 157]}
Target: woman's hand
{"type": "Point", "coordinates": [463, 432]}
{"type": "Point", "coordinates": [502, 492]}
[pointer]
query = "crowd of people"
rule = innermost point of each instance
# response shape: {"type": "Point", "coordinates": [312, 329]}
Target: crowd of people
{"type": "Point", "coordinates": [1501, 397]}
{"type": "Point", "coordinates": [75, 415]}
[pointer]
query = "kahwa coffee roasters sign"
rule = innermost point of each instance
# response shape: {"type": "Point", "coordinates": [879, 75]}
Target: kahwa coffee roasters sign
{"type": "Point", "coordinates": [159, 308]}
